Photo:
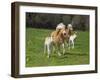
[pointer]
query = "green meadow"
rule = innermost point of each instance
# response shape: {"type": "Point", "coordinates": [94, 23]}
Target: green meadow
{"type": "Point", "coordinates": [35, 56]}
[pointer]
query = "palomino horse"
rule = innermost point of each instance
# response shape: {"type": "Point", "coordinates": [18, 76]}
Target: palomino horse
{"type": "Point", "coordinates": [71, 40]}
{"type": "Point", "coordinates": [59, 39]}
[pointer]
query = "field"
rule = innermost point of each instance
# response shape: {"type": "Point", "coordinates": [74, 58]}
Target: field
{"type": "Point", "coordinates": [35, 50]}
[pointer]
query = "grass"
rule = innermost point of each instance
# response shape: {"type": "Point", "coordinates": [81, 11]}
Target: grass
{"type": "Point", "coordinates": [35, 50]}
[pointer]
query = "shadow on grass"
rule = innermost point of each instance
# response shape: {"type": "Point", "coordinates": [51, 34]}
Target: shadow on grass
{"type": "Point", "coordinates": [68, 54]}
{"type": "Point", "coordinates": [75, 53]}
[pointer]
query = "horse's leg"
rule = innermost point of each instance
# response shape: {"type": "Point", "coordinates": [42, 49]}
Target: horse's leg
{"type": "Point", "coordinates": [45, 46]}
{"type": "Point", "coordinates": [48, 48]}
{"type": "Point", "coordinates": [58, 49]}
{"type": "Point", "coordinates": [63, 46]}
{"type": "Point", "coordinates": [72, 44]}
{"type": "Point", "coordinates": [53, 48]}
{"type": "Point", "coordinates": [66, 43]}
{"type": "Point", "coordinates": [69, 44]}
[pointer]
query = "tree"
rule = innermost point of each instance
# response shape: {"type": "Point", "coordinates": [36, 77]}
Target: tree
{"type": "Point", "coordinates": [48, 20]}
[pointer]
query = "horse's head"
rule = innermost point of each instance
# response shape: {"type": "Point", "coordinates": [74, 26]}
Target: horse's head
{"type": "Point", "coordinates": [63, 32]}
{"type": "Point", "coordinates": [70, 27]}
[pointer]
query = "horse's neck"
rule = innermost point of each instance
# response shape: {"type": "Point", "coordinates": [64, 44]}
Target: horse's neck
{"type": "Point", "coordinates": [70, 32]}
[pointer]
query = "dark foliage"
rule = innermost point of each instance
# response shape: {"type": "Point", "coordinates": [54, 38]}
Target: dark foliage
{"type": "Point", "coordinates": [48, 20]}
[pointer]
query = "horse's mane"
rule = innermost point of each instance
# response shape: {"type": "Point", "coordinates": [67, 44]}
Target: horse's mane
{"type": "Point", "coordinates": [58, 31]}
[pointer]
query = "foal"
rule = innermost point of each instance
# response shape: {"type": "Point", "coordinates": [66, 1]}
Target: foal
{"type": "Point", "coordinates": [48, 45]}
{"type": "Point", "coordinates": [72, 40]}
